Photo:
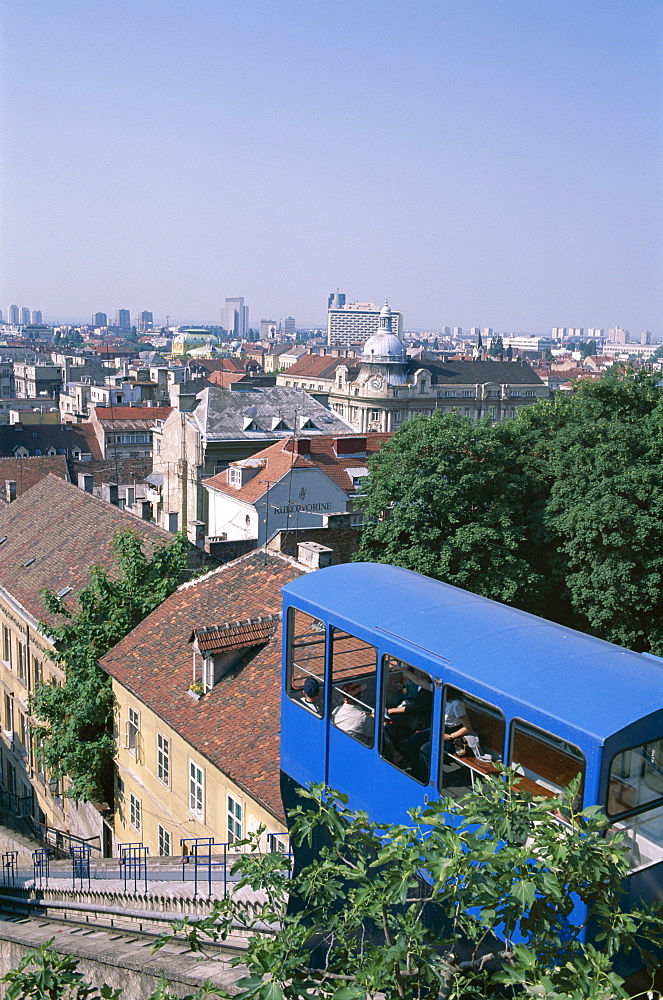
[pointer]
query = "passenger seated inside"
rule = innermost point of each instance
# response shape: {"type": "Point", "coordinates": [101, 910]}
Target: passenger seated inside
{"type": "Point", "coordinates": [456, 726]}
{"type": "Point", "coordinates": [408, 726]}
{"type": "Point", "coordinates": [350, 717]}
{"type": "Point", "coordinates": [311, 696]}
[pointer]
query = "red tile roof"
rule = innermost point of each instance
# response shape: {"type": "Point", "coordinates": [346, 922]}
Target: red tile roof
{"type": "Point", "coordinates": [26, 472]}
{"type": "Point", "coordinates": [148, 413]}
{"type": "Point", "coordinates": [279, 459]}
{"type": "Point", "coordinates": [235, 725]}
{"type": "Point", "coordinates": [320, 366]}
{"type": "Point", "coordinates": [235, 635]}
{"type": "Point", "coordinates": [60, 531]}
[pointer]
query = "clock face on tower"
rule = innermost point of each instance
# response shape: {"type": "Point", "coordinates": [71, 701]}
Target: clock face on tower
{"type": "Point", "coordinates": [376, 382]}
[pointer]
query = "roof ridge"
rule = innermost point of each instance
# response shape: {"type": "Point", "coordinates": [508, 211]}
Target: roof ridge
{"type": "Point", "coordinates": [247, 555]}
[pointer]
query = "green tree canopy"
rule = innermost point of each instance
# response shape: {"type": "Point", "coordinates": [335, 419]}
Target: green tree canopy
{"type": "Point", "coordinates": [74, 722]}
{"type": "Point", "coordinates": [557, 511]}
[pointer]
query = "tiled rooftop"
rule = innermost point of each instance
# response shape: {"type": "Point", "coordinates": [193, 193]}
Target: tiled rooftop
{"type": "Point", "coordinates": [280, 458]}
{"type": "Point", "coordinates": [53, 534]}
{"type": "Point", "coordinates": [64, 438]}
{"type": "Point", "coordinates": [236, 724]}
{"type": "Point", "coordinates": [26, 472]}
{"type": "Point", "coordinates": [236, 635]}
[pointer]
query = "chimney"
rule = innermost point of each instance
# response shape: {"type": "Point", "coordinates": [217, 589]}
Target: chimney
{"type": "Point", "coordinates": [10, 486]}
{"type": "Point", "coordinates": [109, 493]}
{"type": "Point", "coordinates": [314, 555]}
{"type": "Point", "coordinates": [85, 481]}
{"type": "Point", "coordinates": [196, 533]}
{"type": "Point", "coordinates": [301, 446]}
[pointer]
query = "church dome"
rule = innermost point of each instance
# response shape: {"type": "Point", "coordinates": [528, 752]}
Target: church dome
{"type": "Point", "coordinates": [384, 347]}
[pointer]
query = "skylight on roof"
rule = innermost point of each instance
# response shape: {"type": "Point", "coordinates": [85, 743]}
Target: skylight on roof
{"type": "Point", "coordinates": [3, 539]}
{"type": "Point", "coordinates": [64, 591]}
{"type": "Point", "coordinates": [29, 561]}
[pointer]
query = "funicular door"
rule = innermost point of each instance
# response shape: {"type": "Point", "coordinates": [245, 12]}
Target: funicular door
{"type": "Point", "coordinates": [303, 716]}
{"type": "Point", "coordinates": [351, 764]}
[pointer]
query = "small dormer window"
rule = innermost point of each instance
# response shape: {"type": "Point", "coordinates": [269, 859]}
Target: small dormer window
{"type": "Point", "coordinates": [234, 476]}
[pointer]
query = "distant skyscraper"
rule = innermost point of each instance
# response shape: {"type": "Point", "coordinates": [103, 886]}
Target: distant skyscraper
{"type": "Point", "coordinates": [145, 321]}
{"type": "Point", "coordinates": [235, 318]}
{"type": "Point", "coordinates": [0, 315]}
{"type": "Point", "coordinates": [336, 299]}
{"type": "Point", "coordinates": [474, 332]}
{"type": "Point", "coordinates": [123, 319]}
{"type": "Point", "coordinates": [595, 333]}
{"type": "Point", "coordinates": [645, 337]}
{"type": "Point", "coordinates": [25, 316]}
{"type": "Point", "coordinates": [458, 331]}
{"type": "Point", "coordinates": [575, 332]}
{"type": "Point", "coordinates": [36, 317]}
{"type": "Point", "coordinates": [558, 333]}
{"type": "Point", "coordinates": [355, 323]}
{"type": "Point", "coordinates": [289, 326]}
{"type": "Point", "coordinates": [100, 319]}
{"type": "Point", "coordinates": [13, 315]}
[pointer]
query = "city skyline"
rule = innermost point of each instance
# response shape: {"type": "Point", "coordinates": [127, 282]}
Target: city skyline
{"type": "Point", "coordinates": [489, 164]}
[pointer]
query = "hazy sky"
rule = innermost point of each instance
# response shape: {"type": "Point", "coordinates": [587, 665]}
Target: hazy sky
{"type": "Point", "coordinates": [490, 162]}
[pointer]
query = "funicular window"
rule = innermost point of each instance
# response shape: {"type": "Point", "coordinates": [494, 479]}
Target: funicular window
{"type": "Point", "coordinates": [548, 764]}
{"type": "Point", "coordinates": [306, 661]}
{"type": "Point", "coordinates": [407, 718]}
{"type": "Point", "coordinates": [354, 670]}
{"type": "Point", "coordinates": [636, 782]}
{"type": "Point", "coordinates": [472, 741]}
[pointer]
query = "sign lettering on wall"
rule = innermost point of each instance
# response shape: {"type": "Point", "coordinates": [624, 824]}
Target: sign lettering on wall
{"type": "Point", "coordinates": [302, 508]}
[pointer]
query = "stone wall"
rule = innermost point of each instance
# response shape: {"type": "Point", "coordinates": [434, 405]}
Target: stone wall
{"type": "Point", "coordinates": [103, 959]}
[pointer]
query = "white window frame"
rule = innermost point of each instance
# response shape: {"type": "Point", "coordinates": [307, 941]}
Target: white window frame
{"type": "Point", "coordinates": [7, 645]}
{"type": "Point", "coordinates": [21, 660]}
{"type": "Point", "coordinates": [164, 841]}
{"type": "Point", "coordinates": [234, 819]}
{"type": "Point", "coordinates": [133, 730]}
{"type": "Point", "coordinates": [163, 759]}
{"type": "Point", "coordinates": [135, 812]}
{"type": "Point", "coordinates": [196, 790]}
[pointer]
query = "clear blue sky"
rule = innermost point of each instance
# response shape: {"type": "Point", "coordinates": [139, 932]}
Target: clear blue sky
{"type": "Point", "coordinates": [490, 162]}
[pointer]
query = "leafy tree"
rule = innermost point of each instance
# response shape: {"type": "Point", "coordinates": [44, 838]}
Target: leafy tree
{"type": "Point", "coordinates": [74, 722]}
{"type": "Point", "coordinates": [446, 497]}
{"type": "Point", "coordinates": [474, 898]}
{"type": "Point", "coordinates": [557, 511]}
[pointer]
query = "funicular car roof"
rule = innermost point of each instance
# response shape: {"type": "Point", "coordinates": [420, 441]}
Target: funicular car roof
{"type": "Point", "coordinates": [585, 682]}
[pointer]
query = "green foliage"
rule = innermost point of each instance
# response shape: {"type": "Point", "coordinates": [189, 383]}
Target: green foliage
{"type": "Point", "coordinates": [432, 908]}
{"type": "Point", "coordinates": [457, 505]}
{"type": "Point", "coordinates": [74, 729]}
{"type": "Point", "coordinates": [557, 511]}
{"type": "Point", "coordinates": [45, 975]}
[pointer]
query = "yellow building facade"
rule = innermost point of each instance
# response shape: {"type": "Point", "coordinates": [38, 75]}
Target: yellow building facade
{"type": "Point", "coordinates": [167, 791]}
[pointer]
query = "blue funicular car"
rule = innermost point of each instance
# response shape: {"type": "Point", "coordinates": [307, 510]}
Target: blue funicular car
{"type": "Point", "coordinates": [551, 700]}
